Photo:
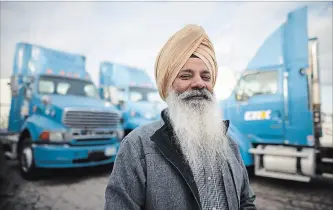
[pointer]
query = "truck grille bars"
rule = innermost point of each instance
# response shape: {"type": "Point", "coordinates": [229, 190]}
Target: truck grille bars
{"type": "Point", "coordinates": [90, 119]}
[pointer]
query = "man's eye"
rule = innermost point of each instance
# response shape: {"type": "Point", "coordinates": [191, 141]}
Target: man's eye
{"type": "Point", "coordinates": [185, 76]}
{"type": "Point", "coordinates": [206, 77]}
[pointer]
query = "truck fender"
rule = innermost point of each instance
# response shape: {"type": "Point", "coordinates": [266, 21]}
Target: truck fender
{"type": "Point", "coordinates": [36, 124]}
{"type": "Point", "coordinates": [243, 143]}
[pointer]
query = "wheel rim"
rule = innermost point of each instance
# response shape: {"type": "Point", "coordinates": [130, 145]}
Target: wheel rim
{"type": "Point", "coordinates": [26, 159]}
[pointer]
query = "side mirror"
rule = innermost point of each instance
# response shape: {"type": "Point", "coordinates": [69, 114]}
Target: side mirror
{"type": "Point", "coordinates": [28, 80]}
{"type": "Point", "coordinates": [238, 97]}
{"type": "Point", "coordinates": [241, 96]}
{"type": "Point", "coordinates": [28, 93]}
{"type": "Point", "coordinates": [14, 85]}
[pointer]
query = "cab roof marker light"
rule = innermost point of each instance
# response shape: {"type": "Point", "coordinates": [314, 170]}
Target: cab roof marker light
{"type": "Point", "coordinates": [62, 72]}
{"type": "Point", "coordinates": [49, 71]}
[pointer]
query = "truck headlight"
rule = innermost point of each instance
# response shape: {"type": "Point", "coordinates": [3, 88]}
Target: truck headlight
{"type": "Point", "coordinates": [57, 136]}
{"type": "Point", "coordinates": [54, 136]}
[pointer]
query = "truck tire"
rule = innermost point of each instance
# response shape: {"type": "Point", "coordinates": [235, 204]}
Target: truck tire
{"type": "Point", "coordinates": [26, 160]}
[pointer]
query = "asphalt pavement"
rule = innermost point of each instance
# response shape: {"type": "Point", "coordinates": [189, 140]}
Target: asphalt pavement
{"type": "Point", "coordinates": [84, 189]}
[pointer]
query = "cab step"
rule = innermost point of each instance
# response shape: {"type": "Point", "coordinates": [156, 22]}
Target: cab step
{"type": "Point", "coordinates": [326, 152]}
{"type": "Point", "coordinates": [278, 175]}
{"type": "Point", "coordinates": [327, 160]}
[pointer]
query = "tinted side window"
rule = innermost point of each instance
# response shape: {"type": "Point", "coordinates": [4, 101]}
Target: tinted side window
{"type": "Point", "coordinates": [260, 83]}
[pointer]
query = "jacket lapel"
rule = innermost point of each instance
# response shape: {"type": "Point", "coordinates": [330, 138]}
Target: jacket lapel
{"type": "Point", "coordinates": [231, 183]}
{"type": "Point", "coordinates": [236, 175]}
{"type": "Point", "coordinates": [170, 152]}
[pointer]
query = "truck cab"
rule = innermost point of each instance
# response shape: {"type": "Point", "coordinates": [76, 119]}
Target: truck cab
{"type": "Point", "coordinates": [132, 92]}
{"type": "Point", "coordinates": [274, 110]}
{"type": "Point", "coordinates": [57, 119]}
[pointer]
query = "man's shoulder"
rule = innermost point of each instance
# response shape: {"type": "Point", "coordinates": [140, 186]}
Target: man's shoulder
{"type": "Point", "coordinates": [139, 138]}
{"type": "Point", "coordinates": [145, 131]}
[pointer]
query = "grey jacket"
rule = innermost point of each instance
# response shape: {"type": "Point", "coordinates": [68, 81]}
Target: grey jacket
{"type": "Point", "coordinates": [150, 173]}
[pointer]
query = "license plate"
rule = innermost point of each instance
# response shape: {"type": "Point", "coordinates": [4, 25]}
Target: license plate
{"type": "Point", "coordinates": [95, 155]}
{"type": "Point", "coordinates": [110, 151]}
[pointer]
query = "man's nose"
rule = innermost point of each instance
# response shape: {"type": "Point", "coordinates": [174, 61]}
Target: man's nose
{"type": "Point", "coordinates": [198, 84]}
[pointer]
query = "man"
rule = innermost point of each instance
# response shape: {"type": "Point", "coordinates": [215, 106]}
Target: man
{"type": "Point", "coordinates": [185, 161]}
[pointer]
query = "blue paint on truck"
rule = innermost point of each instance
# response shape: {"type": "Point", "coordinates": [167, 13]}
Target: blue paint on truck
{"type": "Point", "coordinates": [57, 114]}
{"type": "Point", "coordinates": [274, 110]}
{"type": "Point", "coordinates": [132, 91]}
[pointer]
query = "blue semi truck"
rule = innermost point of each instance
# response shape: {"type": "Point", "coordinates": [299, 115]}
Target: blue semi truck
{"type": "Point", "coordinates": [57, 119]}
{"type": "Point", "coordinates": [132, 91]}
{"type": "Point", "coordinates": [275, 108]}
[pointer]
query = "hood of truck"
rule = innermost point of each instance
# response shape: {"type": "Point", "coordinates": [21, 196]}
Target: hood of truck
{"type": "Point", "coordinates": [79, 102]}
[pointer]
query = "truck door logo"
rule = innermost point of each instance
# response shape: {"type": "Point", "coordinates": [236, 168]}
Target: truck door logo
{"type": "Point", "coordinates": [257, 115]}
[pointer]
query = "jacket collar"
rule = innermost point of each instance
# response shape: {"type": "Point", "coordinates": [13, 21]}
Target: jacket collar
{"type": "Point", "coordinates": [165, 141]}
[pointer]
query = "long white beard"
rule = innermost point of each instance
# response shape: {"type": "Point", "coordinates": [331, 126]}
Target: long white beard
{"type": "Point", "coordinates": [198, 126]}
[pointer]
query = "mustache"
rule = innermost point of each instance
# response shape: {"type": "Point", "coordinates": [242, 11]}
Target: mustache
{"type": "Point", "coordinates": [192, 94]}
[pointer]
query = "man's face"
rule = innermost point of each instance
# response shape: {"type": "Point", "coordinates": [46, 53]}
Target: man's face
{"type": "Point", "coordinates": [193, 76]}
{"type": "Point", "coordinates": [194, 114]}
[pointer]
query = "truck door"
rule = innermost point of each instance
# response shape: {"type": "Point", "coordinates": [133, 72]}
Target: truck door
{"type": "Point", "coordinates": [298, 113]}
{"type": "Point", "coordinates": [259, 105]}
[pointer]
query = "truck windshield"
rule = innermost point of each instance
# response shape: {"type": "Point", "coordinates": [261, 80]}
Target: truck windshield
{"type": "Point", "coordinates": [66, 86]}
{"type": "Point", "coordinates": [137, 94]}
{"type": "Point", "coordinates": [260, 83]}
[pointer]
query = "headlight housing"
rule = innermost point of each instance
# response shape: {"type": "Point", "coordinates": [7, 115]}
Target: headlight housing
{"type": "Point", "coordinates": [54, 136]}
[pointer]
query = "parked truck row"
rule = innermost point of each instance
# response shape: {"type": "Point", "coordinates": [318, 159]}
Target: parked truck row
{"type": "Point", "coordinates": [57, 118]}
{"type": "Point", "coordinates": [60, 119]}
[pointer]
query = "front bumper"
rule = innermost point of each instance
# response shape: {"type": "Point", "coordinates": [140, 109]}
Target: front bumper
{"type": "Point", "coordinates": [65, 156]}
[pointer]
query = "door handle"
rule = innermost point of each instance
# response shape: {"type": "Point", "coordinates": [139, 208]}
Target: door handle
{"type": "Point", "coordinates": [276, 116]}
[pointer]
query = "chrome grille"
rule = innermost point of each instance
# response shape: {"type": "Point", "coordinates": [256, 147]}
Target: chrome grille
{"type": "Point", "coordinates": [90, 119]}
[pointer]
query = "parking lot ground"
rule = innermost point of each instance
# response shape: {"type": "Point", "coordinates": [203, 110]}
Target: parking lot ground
{"type": "Point", "coordinates": [84, 189]}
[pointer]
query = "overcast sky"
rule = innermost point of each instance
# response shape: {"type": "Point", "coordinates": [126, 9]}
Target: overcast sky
{"type": "Point", "coordinates": [134, 32]}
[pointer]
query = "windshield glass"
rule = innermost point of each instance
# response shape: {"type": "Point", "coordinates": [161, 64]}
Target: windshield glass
{"type": "Point", "coordinates": [137, 94]}
{"type": "Point", "coordinates": [261, 83]}
{"type": "Point", "coordinates": [66, 86]}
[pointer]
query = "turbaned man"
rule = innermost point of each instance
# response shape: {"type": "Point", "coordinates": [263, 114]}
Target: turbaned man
{"type": "Point", "coordinates": [185, 161]}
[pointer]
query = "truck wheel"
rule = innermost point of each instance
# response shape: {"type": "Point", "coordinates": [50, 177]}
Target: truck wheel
{"type": "Point", "coordinates": [26, 161]}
